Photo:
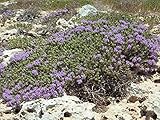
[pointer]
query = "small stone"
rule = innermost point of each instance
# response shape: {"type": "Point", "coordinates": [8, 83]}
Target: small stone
{"type": "Point", "coordinates": [67, 114]}
{"type": "Point", "coordinates": [157, 81]}
{"type": "Point", "coordinates": [133, 99]}
{"type": "Point", "coordinates": [142, 99]}
{"type": "Point", "coordinates": [52, 109]}
{"type": "Point", "coordinates": [158, 70]}
{"type": "Point", "coordinates": [30, 110]}
{"type": "Point", "coordinates": [7, 111]}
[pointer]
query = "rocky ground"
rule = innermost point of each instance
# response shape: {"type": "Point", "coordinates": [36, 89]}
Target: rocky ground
{"type": "Point", "coordinates": [142, 102]}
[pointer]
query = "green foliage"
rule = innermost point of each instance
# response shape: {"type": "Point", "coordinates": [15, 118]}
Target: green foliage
{"type": "Point", "coordinates": [134, 5]}
{"type": "Point", "coordinates": [3, 0]}
{"type": "Point", "coordinates": [50, 4]}
{"type": "Point", "coordinates": [21, 26]}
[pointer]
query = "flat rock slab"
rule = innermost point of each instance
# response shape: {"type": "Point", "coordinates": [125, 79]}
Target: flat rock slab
{"type": "Point", "coordinates": [66, 107]}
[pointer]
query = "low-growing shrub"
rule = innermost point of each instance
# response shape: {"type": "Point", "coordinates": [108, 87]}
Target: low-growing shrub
{"type": "Point", "coordinates": [94, 60]}
{"type": "Point", "coordinates": [21, 26]}
{"type": "Point", "coordinates": [6, 14]}
{"type": "Point", "coordinates": [29, 15]}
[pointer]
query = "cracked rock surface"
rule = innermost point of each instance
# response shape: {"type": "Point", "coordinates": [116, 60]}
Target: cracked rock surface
{"type": "Point", "coordinates": [56, 109]}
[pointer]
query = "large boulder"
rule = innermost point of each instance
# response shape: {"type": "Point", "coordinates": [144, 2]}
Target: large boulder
{"type": "Point", "coordinates": [87, 10]}
{"type": "Point", "coordinates": [61, 108]}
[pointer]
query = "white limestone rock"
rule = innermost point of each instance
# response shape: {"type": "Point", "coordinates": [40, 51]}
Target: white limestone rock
{"type": "Point", "coordinates": [64, 24]}
{"type": "Point", "coordinates": [150, 90]}
{"type": "Point", "coordinates": [66, 107]}
{"type": "Point", "coordinates": [87, 10]}
{"type": "Point", "coordinates": [7, 54]}
{"type": "Point", "coordinates": [8, 34]}
{"type": "Point", "coordinates": [8, 3]}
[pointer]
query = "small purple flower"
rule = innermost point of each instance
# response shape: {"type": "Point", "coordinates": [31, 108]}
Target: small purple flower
{"type": "Point", "coordinates": [18, 98]}
{"type": "Point", "coordinates": [139, 37]}
{"type": "Point", "coordinates": [119, 38]}
{"type": "Point", "coordinates": [11, 103]}
{"type": "Point", "coordinates": [7, 97]}
{"type": "Point", "coordinates": [2, 67]}
{"type": "Point", "coordinates": [1, 53]}
{"type": "Point", "coordinates": [117, 49]}
{"type": "Point", "coordinates": [114, 60]}
{"type": "Point", "coordinates": [29, 65]}
{"type": "Point", "coordinates": [58, 74]}
{"type": "Point", "coordinates": [8, 13]}
{"type": "Point", "coordinates": [35, 72]}
{"type": "Point", "coordinates": [60, 89]}
{"type": "Point", "coordinates": [106, 39]}
{"type": "Point", "coordinates": [88, 28]}
{"type": "Point", "coordinates": [53, 86]}
{"type": "Point", "coordinates": [37, 62]}
{"type": "Point", "coordinates": [111, 67]}
{"type": "Point", "coordinates": [129, 46]}
{"type": "Point", "coordinates": [97, 56]}
{"type": "Point", "coordinates": [79, 81]}
{"type": "Point", "coordinates": [129, 63]}
{"type": "Point", "coordinates": [18, 86]}
{"type": "Point", "coordinates": [139, 59]}
{"type": "Point", "coordinates": [57, 82]}
{"type": "Point", "coordinates": [151, 62]}
{"type": "Point", "coordinates": [46, 96]}
{"type": "Point", "coordinates": [20, 56]}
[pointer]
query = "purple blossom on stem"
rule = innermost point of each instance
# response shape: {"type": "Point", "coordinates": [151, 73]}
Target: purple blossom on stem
{"type": "Point", "coordinates": [119, 38]}
{"type": "Point", "coordinates": [35, 72]}
{"type": "Point", "coordinates": [117, 49]}
{"type": "Point", "coordinates": [79, 81]}
{"type": "Point", "coordinates": [54, 14]}
{"type": "Point", "coordinates": [29, 65]}
{"type": "Point", "coordinates": [20, 56]}
{"type": "Point", "coordinates": [37, 62]}
{"type": "Point", "coordinates": [2, 67]}
{"type": "Point", "coordinates": [8, 13]}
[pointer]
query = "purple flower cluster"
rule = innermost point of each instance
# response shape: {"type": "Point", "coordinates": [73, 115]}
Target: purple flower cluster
{"type": "Point", "coordinates": [1, 52]}
{"type": "Point", "coordinates": [20, 56]}
{"type": "Point", "coordinates": [2, 67]}
{"type": "Point", "coordinates": [36, 62]}
{"type": "Point", "coordinates": [80, 79]}
{"type": "Point", "coordinates": [8, 13]}
{"type": "Point", "coordinates": [55, 14]}
{"type": "Point", "coordinates": [58, 37]}
{"type": "Point", "coordinates": [20, 93]}
{"type": "Point", "coordinates": [61, 75]}
{"type": "Point", "coordinates": [125, 37]}
{"type": "Point", "coordinates": [35, 72]}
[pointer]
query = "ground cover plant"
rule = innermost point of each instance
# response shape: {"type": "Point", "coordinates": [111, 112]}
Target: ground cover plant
{"type": "Point", "coordinates": [94, 60]}
{"type": "Point", "coordinates": [134, 5]}
{"type": "Point", "coordinates": [49, 4]}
